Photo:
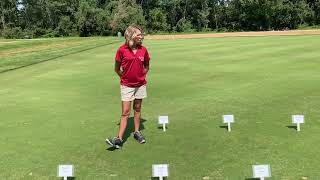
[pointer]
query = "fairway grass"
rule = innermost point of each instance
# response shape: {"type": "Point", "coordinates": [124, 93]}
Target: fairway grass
{"type": "Point", "coordinates": [20, 53]}
{"type": "Point", "coordinates": [61, 111]}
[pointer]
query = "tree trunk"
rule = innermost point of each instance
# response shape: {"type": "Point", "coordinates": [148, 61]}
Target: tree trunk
{"type": "Point", "coordinates": [2, 21]}
{"type": "Point", "coordinates": [2, 17]}
{"type": "Point", "coordinates": [185, 9]}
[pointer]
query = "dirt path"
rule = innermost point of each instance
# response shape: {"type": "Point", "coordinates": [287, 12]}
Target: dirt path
{"type": "Point", "coordinates": [235, 34]}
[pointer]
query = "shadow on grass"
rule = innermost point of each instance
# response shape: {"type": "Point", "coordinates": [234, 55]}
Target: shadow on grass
{"type": "Point", "coordinates": [160, 127]}
{"type": "Point", "coordinates": [292, 127]}
{"type": "Point", "coordinates": [69, 178]}
{"type": "Point", "coordinates": [156, 178]}
{"type": "Point", "coordinates": [224, 127]}
{"type": "Point", "coordinates": [129, 130]}
{"type": "Point", "coordinates": [252, 179]}
{"type": "Point", "coordinates": [111, 148]}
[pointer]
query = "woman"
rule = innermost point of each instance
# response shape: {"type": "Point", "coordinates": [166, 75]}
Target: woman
{"type": "Point", "coordinates": [132, 65]}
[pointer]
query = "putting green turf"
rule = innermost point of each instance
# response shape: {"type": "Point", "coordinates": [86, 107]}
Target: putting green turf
{"type": "Point", "coordinates": [60, 112]}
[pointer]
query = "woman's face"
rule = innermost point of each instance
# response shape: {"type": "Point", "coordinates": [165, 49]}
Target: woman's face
{"type": "Point", "coordinates": [138, 38]}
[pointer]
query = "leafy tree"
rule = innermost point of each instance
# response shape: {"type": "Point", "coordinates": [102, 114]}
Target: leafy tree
{"type": "Point", "coordinates": [126, 13]}
{"type": "Point", "coordinates": [157, 20]}
{"type": "Point", "coordinates": [8, 13]}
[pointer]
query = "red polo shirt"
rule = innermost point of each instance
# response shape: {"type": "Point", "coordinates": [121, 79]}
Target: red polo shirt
{"type": "Point", "coordinates": [132, 65]}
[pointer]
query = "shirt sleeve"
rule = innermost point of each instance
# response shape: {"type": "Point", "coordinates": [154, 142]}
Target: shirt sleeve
{"type": "Point", "coordinates": [147, 56]}
{"type": "Point", "coordinates": [118, 57]}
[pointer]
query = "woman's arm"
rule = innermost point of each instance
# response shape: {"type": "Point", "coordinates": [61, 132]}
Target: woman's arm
{"type": "Point", "coordinates": [146, 66]}
{"type": "Point", "coordinates": [117, 68]}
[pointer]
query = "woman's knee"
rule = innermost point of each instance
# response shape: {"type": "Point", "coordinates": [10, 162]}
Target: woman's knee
{"type": "Point", "coordinates": [137, 107]}
{"type": "Point", "coordinates": [126, 112]}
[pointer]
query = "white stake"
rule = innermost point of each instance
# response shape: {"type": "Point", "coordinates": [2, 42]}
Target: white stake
{"type": "Point", "coordinates": [163, 120]}
{"type": "Point", "coordinates": [298, 119]}
{"type": "Point", "coordinates": [298, 126]}
{"type": "Point", "coordinates": [228, 119]}
{"type": "Point", "coordinates": [160, 170]}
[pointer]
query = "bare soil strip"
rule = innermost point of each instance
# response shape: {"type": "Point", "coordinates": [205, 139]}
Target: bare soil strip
{"type": "Point", "coordinates": [235, 34]}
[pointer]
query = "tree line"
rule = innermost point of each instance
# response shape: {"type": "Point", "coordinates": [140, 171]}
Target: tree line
{"type": "Point", "coordinates": [55, 18]}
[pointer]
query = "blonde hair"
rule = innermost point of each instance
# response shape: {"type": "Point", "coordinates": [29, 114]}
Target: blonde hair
{"type": "Point", "coordinates": [131, 32]}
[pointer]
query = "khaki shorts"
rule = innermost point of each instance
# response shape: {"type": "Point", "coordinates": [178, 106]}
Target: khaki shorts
{"type": "Point", "coordinates": [132, 93]}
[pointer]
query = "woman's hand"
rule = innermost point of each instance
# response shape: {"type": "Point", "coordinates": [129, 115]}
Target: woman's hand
{"type": "Point", "coordinates": [120, 73]}
{"type": "Point", "coordinates": [117, 69]}
{"type": "Point", "coordinates": [145, 71]}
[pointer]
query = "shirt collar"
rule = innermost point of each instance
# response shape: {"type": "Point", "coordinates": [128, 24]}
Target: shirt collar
{"type": "Point", "coordinates": [127, 47]}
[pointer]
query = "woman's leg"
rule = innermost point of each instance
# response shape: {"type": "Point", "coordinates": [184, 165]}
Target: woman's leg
{"type": "Point", "coordinates": [126, 106]}
{"type": "Point", "coordinates": [137, 113]}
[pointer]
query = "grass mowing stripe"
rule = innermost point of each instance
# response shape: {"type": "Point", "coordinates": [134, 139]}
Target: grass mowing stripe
{"type": "Point", "coordinates": [9, 64]}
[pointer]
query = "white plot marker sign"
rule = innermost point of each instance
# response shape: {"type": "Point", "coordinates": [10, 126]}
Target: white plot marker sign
{"type": "Point", "coordinates": [164, 120]}
{"type": "Point", "coordinates": [228, 119]}
{"type": "Point", "coordinates": [65, 171]}
{"type": "Point", "coordinates": [160, 170]}
{"type": "Point", "coordinates": [261, 171]}
{"type": "Point", "coordinates": [298, 119]}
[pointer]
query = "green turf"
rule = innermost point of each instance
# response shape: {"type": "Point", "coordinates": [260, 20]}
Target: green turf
{"type": "Point", "coordinates": [19, 53]}
{"type": "Point", "coordinates": [61, 111]}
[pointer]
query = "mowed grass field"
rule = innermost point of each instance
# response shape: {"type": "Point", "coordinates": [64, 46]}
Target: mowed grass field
{"type": "Point", "coordinates": [60, 111]}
